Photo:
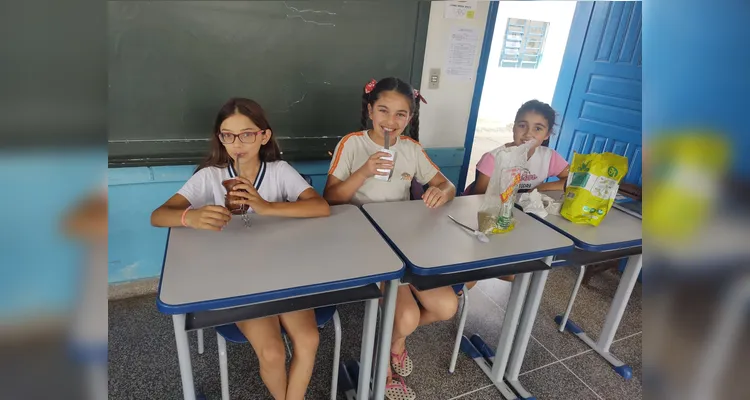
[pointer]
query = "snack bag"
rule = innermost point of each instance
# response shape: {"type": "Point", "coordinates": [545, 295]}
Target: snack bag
{"type": "Point", "coordinates": [592, 186]}
{"type": "Point", "coordinates": [496, 213]}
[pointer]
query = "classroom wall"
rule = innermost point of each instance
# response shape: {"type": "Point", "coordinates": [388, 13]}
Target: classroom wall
{"type": "Point", "coordinates": [443, 120]}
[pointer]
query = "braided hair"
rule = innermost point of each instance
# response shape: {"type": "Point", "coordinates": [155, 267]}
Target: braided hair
{"type": "Point", "coordinates": [396, 85]}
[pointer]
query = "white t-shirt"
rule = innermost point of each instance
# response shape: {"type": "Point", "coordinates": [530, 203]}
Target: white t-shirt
{"type": "Point", "coordinates": [409, 162]}
{"type": "Point", "coordinates": [277, 182]}
{"type": "Point", "coordinates": [545, 162]}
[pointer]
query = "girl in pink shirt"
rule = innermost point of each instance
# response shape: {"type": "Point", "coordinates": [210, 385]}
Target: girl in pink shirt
{"type": "Point", "coordinates": [534, 120]}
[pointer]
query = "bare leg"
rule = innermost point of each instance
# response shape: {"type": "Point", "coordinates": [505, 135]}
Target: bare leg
{"type": "Point", "coordinates": [264, 335]}
{"type": "Point", "coordinates": [303, 330]}
{"type": "Point", "coordinates": [438, 304]}
{"type": "Point", "coordinates": [405, 321]}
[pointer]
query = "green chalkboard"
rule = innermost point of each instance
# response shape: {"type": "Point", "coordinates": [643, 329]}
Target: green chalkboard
{"type": "Point", "coordinates": [173, 64]}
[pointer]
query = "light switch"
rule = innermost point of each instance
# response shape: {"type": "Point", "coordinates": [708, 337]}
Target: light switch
{"type": "Point", "coordinates": [434, 82]}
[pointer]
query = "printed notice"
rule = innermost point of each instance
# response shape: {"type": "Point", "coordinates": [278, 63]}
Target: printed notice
{"type": "Point", "coordinates": [460, 9]}
{"type": "Point", "coordinates": [461, 53]}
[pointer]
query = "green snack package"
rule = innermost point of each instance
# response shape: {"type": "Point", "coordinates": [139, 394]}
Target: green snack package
{"type": "Point", "coordinates": [592, 186]}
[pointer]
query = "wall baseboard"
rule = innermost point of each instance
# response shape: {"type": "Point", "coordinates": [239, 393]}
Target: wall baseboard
{"type": "Point", "coordinates": [138, 287]}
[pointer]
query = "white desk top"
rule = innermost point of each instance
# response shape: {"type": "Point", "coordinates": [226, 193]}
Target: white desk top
{"type": "Point", "coordinates": [617, 230]}
{"type": "Point", "coordinates": [432, 243]}
{"type": "Point", "coordinates": [273, 259]}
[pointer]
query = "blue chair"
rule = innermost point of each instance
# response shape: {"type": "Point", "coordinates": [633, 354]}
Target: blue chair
{"type": "Point", "coordinates": [233, 334]}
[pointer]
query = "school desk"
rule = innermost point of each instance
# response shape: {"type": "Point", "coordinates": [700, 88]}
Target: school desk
{"type": "Point", "coordinates": [439, 253]}
{"type": "Point", "coordinates": [617, 236]}
{"type": "Point", "coordinates": [276, 265]}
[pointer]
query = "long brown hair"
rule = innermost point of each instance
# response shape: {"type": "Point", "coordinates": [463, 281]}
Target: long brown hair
{"type": "Point", "coordinates": [218, 156]}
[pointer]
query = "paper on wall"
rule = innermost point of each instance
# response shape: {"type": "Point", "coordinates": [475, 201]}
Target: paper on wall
{"type": "Point", "coordinates": [462, 52]}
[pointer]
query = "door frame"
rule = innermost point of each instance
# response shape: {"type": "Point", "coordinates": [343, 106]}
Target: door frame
{"type": "Point", "coordinates": [476, 98]}
{"type": "Point", "coordinates": [571, 58]}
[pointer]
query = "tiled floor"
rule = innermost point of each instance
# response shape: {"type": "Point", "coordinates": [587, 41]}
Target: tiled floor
{"type": "Point", "coordinates": [143, 362]}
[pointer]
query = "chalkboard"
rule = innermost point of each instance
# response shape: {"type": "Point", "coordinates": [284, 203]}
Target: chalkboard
{"type": "Point", "coordinates": [173, 64]}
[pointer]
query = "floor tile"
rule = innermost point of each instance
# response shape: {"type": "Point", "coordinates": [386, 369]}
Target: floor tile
{"type": "Point", "coordinates": [556, 383]}
{"type": "Point", "coordinates": [593, 301]}
{"type": "Point", "coordinates": [598, 373]}
{"type": "Point", "coordinates": [486, 319]}
{"type": "Point", "coordinates": [496, 289]}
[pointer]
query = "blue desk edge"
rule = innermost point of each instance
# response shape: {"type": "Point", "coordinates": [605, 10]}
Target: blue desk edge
{"type": "Point", "coordinates": [266, 296]}
{"type": "Point", "coordinates": [470, 265]}
{"type": "Point", "coordinates": [586, 246]}
{"type": "Point", "coordinates": [417, 270]}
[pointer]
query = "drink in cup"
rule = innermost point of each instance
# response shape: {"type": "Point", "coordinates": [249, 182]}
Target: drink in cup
{"type": "Point", "coordinates": [236, 209]}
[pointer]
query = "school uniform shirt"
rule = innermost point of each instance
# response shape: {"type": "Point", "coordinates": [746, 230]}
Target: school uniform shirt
{"type": "Point", "coordinates": [409, 162]}
{"type": "Point", "coordinates": [277, 181]}
{"type": "Point", "coordinates": [544, 163]}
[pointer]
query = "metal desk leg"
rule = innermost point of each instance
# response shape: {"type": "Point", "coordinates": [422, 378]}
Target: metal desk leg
{"type": "Point", "coordinates": [510, 323]}
{"type": "Point", "coordinates": [386, 332]}
{"type": "Point", "coordinates": [368, 341]}
{"type": "Point", "coordinates": [581, 273]}
{"type": "Point", "coordinates": [496, 371]}
{"type": "Point", "coordinates": [617, 309]}
{"type": "Point", "coordinates": [183, 355]}
{"type": "Point", "coordinates": [614, 315]}
{"type": "Point", "coordinates": [524, 330]}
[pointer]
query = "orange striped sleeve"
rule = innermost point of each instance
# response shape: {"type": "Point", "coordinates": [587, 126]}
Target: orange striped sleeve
{"type": "Point", "coordinates": [337, 156]}
{"type": "Point", "coordinates": [423, 152]}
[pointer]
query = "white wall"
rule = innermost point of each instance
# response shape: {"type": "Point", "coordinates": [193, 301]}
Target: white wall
{"type": "Point", "coordinates": [505, 89]}
{"type": "Point", "coordinates": [444, 119]}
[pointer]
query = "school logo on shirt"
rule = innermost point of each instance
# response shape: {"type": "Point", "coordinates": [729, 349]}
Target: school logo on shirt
{"type": "Point", "coordinates": [405, 177]}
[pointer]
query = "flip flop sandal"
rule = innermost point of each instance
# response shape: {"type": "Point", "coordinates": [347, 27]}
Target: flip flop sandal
{"type": "Point", "coordinates": [397, 390]}
{"type": "Point", "coordinates": [402, 364]}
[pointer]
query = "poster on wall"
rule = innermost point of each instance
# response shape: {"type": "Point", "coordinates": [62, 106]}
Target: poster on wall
{"type": "Point", "coordinates": [460, 9]}
{"type": "Point", "coordinates": [462, 51]}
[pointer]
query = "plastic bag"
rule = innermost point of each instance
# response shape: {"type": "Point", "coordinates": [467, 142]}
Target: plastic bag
{"type": "Point", "coordinates": [496, 213]}
{"type": "Point", "coordinates": [538, 204]}
{"type": "Point", "coordinates": [592, 186]}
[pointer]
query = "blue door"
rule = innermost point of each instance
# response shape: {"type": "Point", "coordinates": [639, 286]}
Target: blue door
{"type": "Point", "coordinates": [601, 109]}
